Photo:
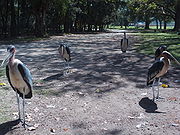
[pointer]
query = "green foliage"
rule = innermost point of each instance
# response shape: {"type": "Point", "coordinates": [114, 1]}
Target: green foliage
{"type": "Point", "coordinates": [149, 42]}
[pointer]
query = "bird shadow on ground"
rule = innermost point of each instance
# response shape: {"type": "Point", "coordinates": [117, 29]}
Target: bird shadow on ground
{"type": "Point", "coordinates": [113, 132]}
{"type": "Point", "coordinates": [8, 126]}
{"type": "Point", "coordinates": [53, 77]}
{"type": "Point", "coordinates": [149, 105]}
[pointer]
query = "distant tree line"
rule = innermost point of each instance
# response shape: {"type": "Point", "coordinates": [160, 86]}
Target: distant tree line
{"type": "Point", "coordinates": [161, 11]}
{"type": "Point", "coordinates": [43, 17]}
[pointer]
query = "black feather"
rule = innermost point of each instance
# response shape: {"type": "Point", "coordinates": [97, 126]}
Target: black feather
{"type": "Point", "coordinates": [68, 52]}
{"type": "Point", "coordinates": [26, 75]}
{"type": "Point", "coordinates": [154, 70]}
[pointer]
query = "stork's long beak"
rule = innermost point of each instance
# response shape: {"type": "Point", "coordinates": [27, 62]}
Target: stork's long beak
{"type": "Point", "coordinates": [169, 55]}
{"type": "Point", "coordinates": [6, 59]}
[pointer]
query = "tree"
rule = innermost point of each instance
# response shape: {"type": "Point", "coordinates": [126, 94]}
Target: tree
{"type": "Point", "coordinates": [142, 10]}
{"type": "Point", "coordinates": [170, 9]}
{"type": "Point", "coordinates": [177, 16]}
{"type": "Point", "coordinates": [39, 8]}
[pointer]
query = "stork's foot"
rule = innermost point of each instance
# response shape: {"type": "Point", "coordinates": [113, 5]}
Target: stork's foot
{"type": "Point", "coordinates": [66, 72]}
{"type": "Point", "coordinates": [25, 125]}
{"type": "Point", "coordinates": [158, 98]}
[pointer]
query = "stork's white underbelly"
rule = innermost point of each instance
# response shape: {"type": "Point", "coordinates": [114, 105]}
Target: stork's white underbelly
{"type": "Point", "coordinates": [66, 56]}
{"type": "Point", "coordinates": [17, 80]}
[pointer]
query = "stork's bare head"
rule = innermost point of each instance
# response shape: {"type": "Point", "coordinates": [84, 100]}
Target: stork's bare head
{"type": "Point", "coordinates": [11, 49]}
{"type": "Point", "coordinates": [10, 52]}
{"type": "Point", "coordinates": [159, 51]}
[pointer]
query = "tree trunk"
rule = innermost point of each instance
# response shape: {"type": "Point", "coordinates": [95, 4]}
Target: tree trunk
{"type": "Point", "coordinates": [160, 23]}
{"type": "Point", "coordinates": [177, 16]}
{"type": "Point", "coordinates": [147, 24]}
{"type": "Point", "coordinates": [156, 24]}
{"type": "Point", "coordinates": [13, 20]}
{"type": "Point", "coordinates": [18, 15]}
{"type": "Point", "coordinates": [40, 30]}
{"type": "Point", "coordinates": [165, 24]}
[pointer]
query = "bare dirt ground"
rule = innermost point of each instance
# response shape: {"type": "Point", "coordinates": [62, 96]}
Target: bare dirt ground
{"type": "Point", "coordinates": [101, 95]}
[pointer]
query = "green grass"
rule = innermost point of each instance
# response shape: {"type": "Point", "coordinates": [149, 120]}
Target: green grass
{"type": "Point", "coordinates": [2, 72]}
{"type": "Point", "coordinates": [149, 42]}
{"type": "Point", "coordinates": [5, 106]}
{"type": "Point", "coordinates": [21, 40]}
{"type": "Point", "coordinates": [133, 27]}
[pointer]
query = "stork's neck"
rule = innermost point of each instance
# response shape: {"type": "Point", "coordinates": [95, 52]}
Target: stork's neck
{"type": "Point", "coordinates": [11, 59]}
{"type": "Point", "coordinates": [167, 62]}
{"type": "Point", "coordinates": [124, 35]}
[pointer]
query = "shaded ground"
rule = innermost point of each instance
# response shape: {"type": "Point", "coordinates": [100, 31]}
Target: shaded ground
{"type": "Point", "coordinates": [102, 95]}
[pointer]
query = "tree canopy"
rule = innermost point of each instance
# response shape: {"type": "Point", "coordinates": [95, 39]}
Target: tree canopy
{"type": "Point", "coordinates": [44, 17]}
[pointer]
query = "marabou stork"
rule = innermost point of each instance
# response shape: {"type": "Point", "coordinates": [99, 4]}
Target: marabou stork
{"type": "Point", "coordinates": [158, 69]}
{"type": "Point", "coordinates": [65, 53]}
{"type": "Point", "coordinates": [159, 51]}
{"type": "Point", "coordinates": [19, 78]}
{"type": "Point", "coordinates": [124, 43]}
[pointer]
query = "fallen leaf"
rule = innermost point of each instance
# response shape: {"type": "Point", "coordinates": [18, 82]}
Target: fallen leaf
{"type": "Point", "coordinates": [141, 124]}
{"type": "Point", "coordinates": [31, 128]}
{"type": "Point", "coordinates": [131, 117]}
{"type": "Point", "coordinates": [98, 90]}
{"type": "Point", "coordinates": [173, 98]}
{"type": "Point", "coordinates": [81, 94]}
{"type": "Point", "coordinates": [50, 106]}
{"type": "Point", "coordinates": [141, 116]}
{"type": "Point", "coordinates": [65, 129]}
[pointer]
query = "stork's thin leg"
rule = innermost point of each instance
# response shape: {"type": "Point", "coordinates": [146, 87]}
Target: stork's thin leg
{"type": "Point", "coordinates": [68, 65]}
{"type": "Point", "coordinates": [64, 71]}
{"type": "Point", "coordinates": [153, 89]}
{"type": "Point", "coordinates": [23, 110]}
{"type": "Point", "coordinates": [18, 105]}
{"type": "Point", "coordinates": [158, 89]}
{"type": "Point", "coordinates": [64, 64]}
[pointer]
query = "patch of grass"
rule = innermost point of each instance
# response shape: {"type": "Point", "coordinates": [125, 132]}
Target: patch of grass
{"type": "Point", "coordinates": [2, 72]}
{"type": "Point", "coordinates": [149, 42]}
{"type": "Point", "coordinates": [43, 92]}
{"type": "Point", "coordinates": [21, 39]}
{"type": "Point", "coordinates": [47, 92]}
{"type": "Point", "coordinates": [4, 114]}
{"type": "Point", "coordinates": [140, 28]}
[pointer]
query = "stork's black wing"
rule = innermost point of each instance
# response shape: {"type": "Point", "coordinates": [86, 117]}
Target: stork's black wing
{"type": "Point", "coordinates": [157, 53]}
{"type": "Point", "coordinates": [68, 52]}
{"type": "Point", "coordinates": [26, 75]}
{"type": "Point", "coordinates": [127, 42]}
{"type": "Point", "coordinates": [121, 42]}
{"type": "Point", "coordinates": [154, 70]}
